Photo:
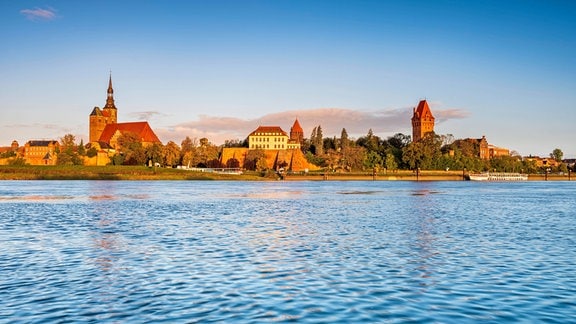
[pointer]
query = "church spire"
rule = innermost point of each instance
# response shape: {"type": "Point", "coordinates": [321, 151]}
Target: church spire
{"type": "Point", "coordinates": [110, 98]}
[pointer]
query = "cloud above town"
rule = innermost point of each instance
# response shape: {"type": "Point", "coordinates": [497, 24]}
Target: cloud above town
{"type": "Point", "coordinates": [383, 123]}
{"type": "Point", "coordinates": [39, 14]}
{"type": "Point", "coordinates": [145, 115]}
{"type": "Point", "coordinates": [50, 131]}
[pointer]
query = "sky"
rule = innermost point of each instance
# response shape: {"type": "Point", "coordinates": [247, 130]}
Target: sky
{"type": "Point", "coordinates": [504, 69]}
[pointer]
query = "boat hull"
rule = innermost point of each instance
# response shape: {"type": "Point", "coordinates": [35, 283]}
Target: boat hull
{"type": "Point", "coordinates": [498, 176]}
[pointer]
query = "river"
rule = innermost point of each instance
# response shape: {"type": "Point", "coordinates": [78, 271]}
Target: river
{"type": "Point", "coordinates": [303, 251]}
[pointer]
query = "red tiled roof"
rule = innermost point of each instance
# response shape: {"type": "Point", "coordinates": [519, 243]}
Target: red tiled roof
{"type": "Point", "coordinates": [296, 127]}
{"type": "Point", "coordinates": [268, 130]}
{"type": "Point", "coordinates": [142, 129]}
{"type": "Point", "coordinates": [423, 110]}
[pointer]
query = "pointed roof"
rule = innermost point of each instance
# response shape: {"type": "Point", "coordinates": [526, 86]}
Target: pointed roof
{"type": "Point", "coordinates": [96, 112]}
{"type": "Point", "coordinates": [296, 127]}
{"type": "Point", "coordinates": [142, 129]}
{"type": "Point", "coordinates": [99, 112]}
{"type": "Point", "coordinates": [423, 110]}
{"type": "Point", "coordinates": [110, 97]}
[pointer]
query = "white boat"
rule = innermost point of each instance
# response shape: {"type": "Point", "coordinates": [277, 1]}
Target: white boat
{"type": "Point", "coordinates": [498, 176]}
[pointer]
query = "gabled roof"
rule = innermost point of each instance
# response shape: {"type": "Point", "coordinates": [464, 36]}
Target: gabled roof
{"type": "Point", "coordinates": [268, 130]}
{"type": "Point", "coordinates": [423, 110]}
{"type": "Point", "coordinates": [296, 127]}
{"type": "Point", "coordinates": [142, 129]}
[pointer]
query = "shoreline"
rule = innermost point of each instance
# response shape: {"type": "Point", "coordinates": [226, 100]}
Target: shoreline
{"type": "Point", "coordinates": [145, 173]}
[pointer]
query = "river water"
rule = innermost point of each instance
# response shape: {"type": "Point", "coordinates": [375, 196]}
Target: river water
{"type": "Point", "coordinates": [257, 252]}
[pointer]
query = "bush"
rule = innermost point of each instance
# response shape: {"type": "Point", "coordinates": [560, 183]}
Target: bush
{"type": "Point", "coordinates": [17, 162]}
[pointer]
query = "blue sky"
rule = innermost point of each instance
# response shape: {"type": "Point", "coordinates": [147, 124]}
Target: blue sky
{"type": "Point", "coordinates": [219, 69]}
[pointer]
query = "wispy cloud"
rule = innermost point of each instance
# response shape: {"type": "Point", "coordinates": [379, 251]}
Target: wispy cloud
{"type": "Point", "coordinates": [39, 14]}
{"type": "Point", "coordinates": [383, 123]}
{"type": "Point", "coordinates": [145, 115]}
{"type": "Point", "coordinates": [45, 131]}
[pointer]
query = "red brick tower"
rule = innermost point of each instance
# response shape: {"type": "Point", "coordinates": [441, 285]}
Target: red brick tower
{"type": "Point", "coordinates": [422, 121]}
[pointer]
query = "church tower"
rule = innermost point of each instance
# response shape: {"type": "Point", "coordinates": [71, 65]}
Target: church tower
{"type": "Point", "coordinates": [422, 121]}
{"type": "Point", "coordinates": [99, 118]}
{"type": "Point", "coordinates": [110, 107]}
{"type": "Point", "coordinates": [297, 133]}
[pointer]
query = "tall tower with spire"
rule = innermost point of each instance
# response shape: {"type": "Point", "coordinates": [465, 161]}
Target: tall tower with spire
{"type": "Point", "coordinates": [422, 121]}
{"type": "Point", "coordinates": [110, 106]}
{"type": "Point", "coordinates": [99, 118]}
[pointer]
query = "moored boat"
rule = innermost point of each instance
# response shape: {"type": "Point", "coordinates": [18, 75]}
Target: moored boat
{"type": "Point", "coordinates": [498, 176]}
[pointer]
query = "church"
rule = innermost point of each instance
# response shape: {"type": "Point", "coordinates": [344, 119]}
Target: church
{"type": "Point", "coordinates": [105, 129]}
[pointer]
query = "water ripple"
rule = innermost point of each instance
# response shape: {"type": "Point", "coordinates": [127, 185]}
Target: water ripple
{"type": "Point", "coordinates": [286, 252]}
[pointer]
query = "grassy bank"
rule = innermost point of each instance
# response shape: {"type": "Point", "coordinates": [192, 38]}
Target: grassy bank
{"type": "Point", "coordinates": [110, 173]}
{"type": "Point", "coordinates": [145, 173]}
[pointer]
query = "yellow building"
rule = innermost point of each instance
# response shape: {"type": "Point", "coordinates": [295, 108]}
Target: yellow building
{"type": "Point", "coordinates": [41, 152]}
{"type": "Point", "coordinates": [280, 150]}
{"type": "Point", "coordinates": [275, 138]}
{"type": "Point", "coordinates": [268, 138]}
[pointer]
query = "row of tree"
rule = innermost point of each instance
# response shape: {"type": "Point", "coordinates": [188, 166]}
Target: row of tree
{"type": "Point", "coordinates": [369, 152]}
{"type": "Point", "coordinates": [433, 152]}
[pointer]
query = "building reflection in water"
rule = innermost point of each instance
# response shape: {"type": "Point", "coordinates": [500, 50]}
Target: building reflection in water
{"type": "Point", "coordinates": [422, 231]}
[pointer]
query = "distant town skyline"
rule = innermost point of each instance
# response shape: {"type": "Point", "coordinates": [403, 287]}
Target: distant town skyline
{"type": "Point", "coordinates": [219, 69]}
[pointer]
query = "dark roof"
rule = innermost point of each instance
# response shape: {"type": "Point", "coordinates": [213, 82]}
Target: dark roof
{"type": "Point", "coordinates": [42, 142]}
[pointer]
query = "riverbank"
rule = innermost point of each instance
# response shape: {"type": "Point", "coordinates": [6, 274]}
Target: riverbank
{"type": "Point", "coordinates": [110, 173]}
{"type": "Point", "coordinates": [145, 173]}
{"type": "Point", "coordinates": [410, 176]}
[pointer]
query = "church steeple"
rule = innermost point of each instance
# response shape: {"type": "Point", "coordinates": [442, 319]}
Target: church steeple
{"type": "Point", "coordinates": [110, 98]}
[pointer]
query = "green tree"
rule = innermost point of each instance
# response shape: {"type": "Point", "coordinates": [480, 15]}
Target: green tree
{"type": "Point", "coordinates": [81, 148]}
{"type": "Point", "coordinates": [318, 141]}
{"type": "Point", "coordinates": [7, 154]}
{"type": "Point", "coordinates": [390, 162]}
{"type": "Point", "coordinates": [154, 153]}
{"type": "Point", "coordinates": [255, 160]}
{"type": "Point", "coordinates": [557, 155]}
{"type": "Point", "coordinates": [413, 155]}
{"type": "Point", "coordinates": [329, 143]}
{"type": "Point", "coordinates": [372, 160]}
{"type": "Point", "coordinates": [344, 141]}
{"type": "Point", "coordinates": [371, 142]}
{"type": "Point", "coordinates": [17, 161]}
{"type": "Point", "coordinates": [353, 157]}
{"type": "Point", "coordinates": [131, 149]}
{"type": "Point", "coordinates": [67, 142]}
{"type": "Point", "coordinates": [206, 155]}
{"type": "Point", "coordinates": [171, 154]}
{"type": "Point", "coordinates": [68, 154]}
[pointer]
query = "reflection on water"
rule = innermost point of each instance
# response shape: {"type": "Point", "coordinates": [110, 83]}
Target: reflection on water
{"type": "Point", "coordinates": [98, 251]}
